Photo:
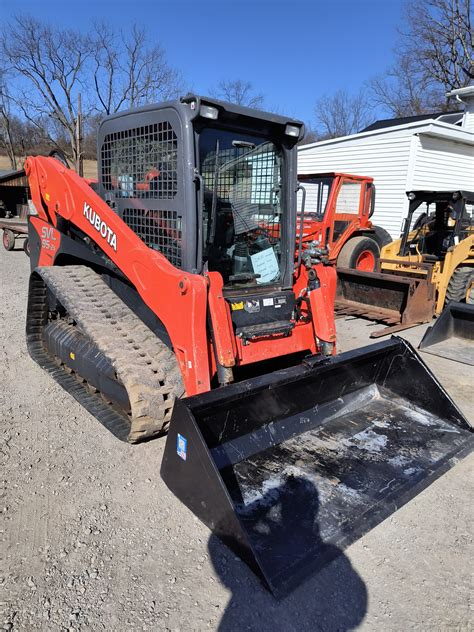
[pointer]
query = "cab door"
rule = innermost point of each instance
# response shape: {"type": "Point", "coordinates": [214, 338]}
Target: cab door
{"type": "Point", "coordinates": [349, 207]}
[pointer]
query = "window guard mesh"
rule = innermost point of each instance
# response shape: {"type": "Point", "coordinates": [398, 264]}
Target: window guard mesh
{"type": "Point", "coordinates": [141, 162]}
{"type": "Point", "coordinates": [160, 230]}
{"type": "Point", "coordinates": [247, 187]}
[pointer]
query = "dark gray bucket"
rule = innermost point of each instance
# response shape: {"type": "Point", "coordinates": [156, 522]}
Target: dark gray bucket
{"type": "Point", "coordinates": [452, 335]}
{"type": "Point", "coordinates": [290, 468]}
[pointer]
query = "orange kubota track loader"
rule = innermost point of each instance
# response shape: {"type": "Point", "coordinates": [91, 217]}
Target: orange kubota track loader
{"type": "Point", "coordinates": [172, 294]}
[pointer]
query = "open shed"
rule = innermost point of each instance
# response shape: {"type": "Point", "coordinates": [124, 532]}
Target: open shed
{"type": "Point", "coordinates": [14, 193]}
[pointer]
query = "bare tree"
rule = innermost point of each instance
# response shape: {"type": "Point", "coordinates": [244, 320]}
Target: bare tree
{"type": "Point", "coordinates": [342, 114]}
{"type": "Point", "coordinates": [128, 72]}
{"type": "Point", "coordinates": [435, 54]}
{"type": "Point", "coordinates": [403, 91]}
{"type": "Point", "coordinates": [51, 62]}
{"type": "Point", "coordinates": [440, 35]}
{"type": "Point", "coordinates": [310, 135]}
{"type": "Point", "coordinates": [17, 137]}
{"type": "Point", "coordinates": [239, 92]}
{"type": "Point", "coordinates": [6, 136]}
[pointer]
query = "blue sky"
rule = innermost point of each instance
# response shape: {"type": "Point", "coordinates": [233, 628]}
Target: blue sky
{"type": "Point", "coordinates": [292, 52]}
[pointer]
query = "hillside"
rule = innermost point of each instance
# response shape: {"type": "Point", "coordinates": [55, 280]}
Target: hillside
{"type": "Point", "coordinates": [90, 166]}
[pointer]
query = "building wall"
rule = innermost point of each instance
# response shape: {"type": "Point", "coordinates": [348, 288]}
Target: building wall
{"type": "Point", "coordinates": [400, 160]}
{"type": "Point", "coordinates": [384, 158]}
{"type": "Point", "coordinates": [443, 164]}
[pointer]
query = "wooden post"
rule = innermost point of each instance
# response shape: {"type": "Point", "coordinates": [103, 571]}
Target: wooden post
{"type": "Point", "coordinates": [79, 157]}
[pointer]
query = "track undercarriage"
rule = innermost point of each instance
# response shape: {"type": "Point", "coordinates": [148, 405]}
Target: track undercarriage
{"type": "Point", "coordinates": [101, 352]}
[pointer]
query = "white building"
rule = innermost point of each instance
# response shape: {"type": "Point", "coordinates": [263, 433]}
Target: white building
{"type": "Point", "coordinates": [432, 154]}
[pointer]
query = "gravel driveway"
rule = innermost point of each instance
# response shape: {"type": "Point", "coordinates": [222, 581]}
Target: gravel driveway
{"type": "Point", "coordinates": [91, 539]}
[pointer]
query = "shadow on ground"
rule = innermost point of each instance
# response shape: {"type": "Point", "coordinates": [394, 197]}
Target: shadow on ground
{"type": "Point", "coordinates": [285, 531]}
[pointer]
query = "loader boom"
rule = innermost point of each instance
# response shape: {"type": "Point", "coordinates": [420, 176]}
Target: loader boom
{"type": "Point", "coordinates": [59, 193]}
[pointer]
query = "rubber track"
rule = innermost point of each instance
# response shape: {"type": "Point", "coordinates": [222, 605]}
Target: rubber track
{"type": "Point", "coordinates": [145, 366]}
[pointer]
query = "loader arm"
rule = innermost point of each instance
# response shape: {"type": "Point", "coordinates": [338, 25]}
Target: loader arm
{"type": "Point", "coordinates": [181, 301]}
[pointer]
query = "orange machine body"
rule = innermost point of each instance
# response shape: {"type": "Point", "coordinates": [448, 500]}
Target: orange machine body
{"type": "Point", "coordinates": [341, 212]}
{"type": "Point", "coordinates": [184, 302]}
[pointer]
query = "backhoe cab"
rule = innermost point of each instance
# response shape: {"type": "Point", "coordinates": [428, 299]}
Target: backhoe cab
{"type": "Point", "coordinates": [337, 212]}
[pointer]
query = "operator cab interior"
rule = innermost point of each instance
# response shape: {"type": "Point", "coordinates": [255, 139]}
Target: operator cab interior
{"type": "Point", "coordinates": [242, 213]}
{"type": "Point", "coordinates": [435, 231]}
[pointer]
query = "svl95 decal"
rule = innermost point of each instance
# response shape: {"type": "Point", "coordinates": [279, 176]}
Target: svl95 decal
{"type": "Point", "coordinates": [47, 237]}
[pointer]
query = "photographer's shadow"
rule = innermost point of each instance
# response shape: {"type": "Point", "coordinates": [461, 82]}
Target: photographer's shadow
{"type": "Point", "coordinates": [286, 534]}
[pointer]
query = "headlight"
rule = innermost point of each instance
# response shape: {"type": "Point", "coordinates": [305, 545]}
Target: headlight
{"type": "Point", "coordinates": [292, 130]}
{"type": "Point", "coordinates": [209, 112]}
{"type": "Point", "coordinates": [411, 196]}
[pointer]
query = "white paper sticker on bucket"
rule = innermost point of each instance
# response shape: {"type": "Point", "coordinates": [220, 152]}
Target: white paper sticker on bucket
{"type": "Point", "coordinates": [265, 264]}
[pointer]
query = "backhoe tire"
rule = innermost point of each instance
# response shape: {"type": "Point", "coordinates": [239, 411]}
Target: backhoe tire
{"type": "Point", "coordinates": [359, 253]}
{"type": "Point", "coordinates": [381, 236]}
{"type": "Point", "coordinates": [26, 247]}
{"type": "Point", "coordinates": [461, 286]}
{"type": "Point", "coordinates": [8, 239]}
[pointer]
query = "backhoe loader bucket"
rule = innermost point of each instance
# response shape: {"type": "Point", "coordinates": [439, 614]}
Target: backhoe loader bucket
{"type": "Point", "coordinates": [452, 335]}
{"type": "Point", "coordinates": [289, 468]}
{"type": "Point", "coordinates": [398, 301]}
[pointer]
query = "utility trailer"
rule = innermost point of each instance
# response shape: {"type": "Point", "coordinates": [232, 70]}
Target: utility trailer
{"type": "Point", "coordinates": [14, 194]}
{"type": "Point", "coordinates": [14, 228]}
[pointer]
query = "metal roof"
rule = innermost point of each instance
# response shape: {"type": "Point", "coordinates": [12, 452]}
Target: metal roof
{"type": "Point", "coordinates": [5, 172]}
{"type": "Point", "coordinates": [452, 117]}
{"type": "Point", "coordinates": [13, 178]}
{"type": "Point", "coordinates": [429, 127]}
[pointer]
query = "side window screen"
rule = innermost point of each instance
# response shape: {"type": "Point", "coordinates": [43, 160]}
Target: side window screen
{"type": "Point", "coordinates": [349, 198]}
{"type": "Point", "coordinates": [141, 162]}
{"type": "Point", "coordinates": [317, 193]}
{"type": "Point", "coordinates": [160, 230]}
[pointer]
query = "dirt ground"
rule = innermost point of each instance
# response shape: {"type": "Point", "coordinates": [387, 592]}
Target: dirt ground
{"type": "Point", "coordinates": [91, 539]}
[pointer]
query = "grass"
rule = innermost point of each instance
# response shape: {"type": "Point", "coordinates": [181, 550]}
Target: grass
{"type": "Point", "coordinates": [90, 166]}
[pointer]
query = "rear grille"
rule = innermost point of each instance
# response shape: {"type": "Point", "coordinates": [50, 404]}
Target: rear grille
{"type": "Point", "coordinates": [141, 162]}
{"type": "Point", "coordinates": [160, 230]}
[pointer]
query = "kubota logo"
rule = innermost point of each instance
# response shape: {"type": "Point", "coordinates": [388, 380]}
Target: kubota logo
{"type": "Point", "coordinates": [100, 226]}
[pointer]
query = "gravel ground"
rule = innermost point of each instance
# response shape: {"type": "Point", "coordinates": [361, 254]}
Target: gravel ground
{"type": "Point", "coordinates": [91, 539]}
